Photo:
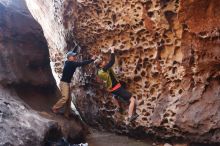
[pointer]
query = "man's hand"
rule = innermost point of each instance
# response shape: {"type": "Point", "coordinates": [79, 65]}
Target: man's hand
{"type": "Point", "coordinates": [94, 57]}
{"type": "Point", "coordinates": [112, 49]}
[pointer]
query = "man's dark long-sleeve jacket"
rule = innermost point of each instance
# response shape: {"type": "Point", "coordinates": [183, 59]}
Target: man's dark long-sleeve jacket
{"type": "Point", "coordinates": [70, 68]}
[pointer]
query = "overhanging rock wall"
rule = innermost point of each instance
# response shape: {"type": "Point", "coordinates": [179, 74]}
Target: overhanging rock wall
{"type": "Point", "coordinates": [167, 52]}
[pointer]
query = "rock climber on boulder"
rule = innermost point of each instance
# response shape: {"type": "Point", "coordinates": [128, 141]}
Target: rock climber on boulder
{"type": "Point", "coordinates": [106, 73]}
{"type": "Point", "coordinates": [69, 68]}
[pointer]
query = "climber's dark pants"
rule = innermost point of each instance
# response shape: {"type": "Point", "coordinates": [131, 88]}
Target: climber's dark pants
{"type": "Point", "coordinates": [122, 94]}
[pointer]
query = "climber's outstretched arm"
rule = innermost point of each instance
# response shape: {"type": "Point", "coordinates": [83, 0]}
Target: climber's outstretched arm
{"type": "Point", "coordinates": [78, 64]}
{"type": "Point", "coordinates": [111, 62]}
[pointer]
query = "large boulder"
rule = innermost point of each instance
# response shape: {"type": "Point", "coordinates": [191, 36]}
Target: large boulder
{"type": "Point", "coordinates": [167, 53]}
{"type": "Point", "coordinates": [27, 83]}
{"type": "Point", "coordinates": [24, 52]}
{"type": "Point", "coordinates": [24, 59]}
{"type": "Point", "coordinates": [19, 124]}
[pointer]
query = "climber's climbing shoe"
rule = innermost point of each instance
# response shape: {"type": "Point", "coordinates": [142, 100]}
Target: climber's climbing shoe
{"type": "Point", "coordinates": [133, 118]}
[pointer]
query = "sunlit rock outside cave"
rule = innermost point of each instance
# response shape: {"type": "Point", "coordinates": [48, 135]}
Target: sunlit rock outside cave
{"type": "Point", "coordinates": [167, 54]}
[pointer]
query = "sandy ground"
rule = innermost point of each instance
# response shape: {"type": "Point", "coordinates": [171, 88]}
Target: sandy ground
{"type": "Point", "coordinates": [97, 138]}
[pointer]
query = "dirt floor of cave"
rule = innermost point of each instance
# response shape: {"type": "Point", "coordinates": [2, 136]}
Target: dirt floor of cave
{"type": "Point", "coordinates": [100, 138]}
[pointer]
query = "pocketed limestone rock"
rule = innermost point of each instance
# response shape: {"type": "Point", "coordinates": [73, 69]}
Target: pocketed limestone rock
{"type": "Point", "coordinates": [166, 51]}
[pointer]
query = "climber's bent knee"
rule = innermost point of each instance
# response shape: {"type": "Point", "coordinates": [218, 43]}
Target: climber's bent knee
{"type": "Point", "coordinates": [132, 99]}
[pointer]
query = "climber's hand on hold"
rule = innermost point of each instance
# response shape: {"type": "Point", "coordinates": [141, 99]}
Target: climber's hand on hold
{"type": "Point", "coordinates": [112, 49]}
{"type": "Point", "coordinates": [94, 57]}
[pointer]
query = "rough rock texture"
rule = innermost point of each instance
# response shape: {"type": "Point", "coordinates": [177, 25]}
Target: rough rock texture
{"type": "Point", "coordinates": [26, 82]}
{"type": "Point", "coordinates": [19, 124]}
{"type": "Point", "coordinates": [167, 52]}
{"type": "Point", "coordinates": [23, 60]}
{"type": "Point", "coordinates": [24, 52]}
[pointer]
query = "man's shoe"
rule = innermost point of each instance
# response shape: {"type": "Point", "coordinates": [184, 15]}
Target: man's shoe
{"type": "Point", "coordinates": [133, 118]}
{"type": "Point", "coordinates": [55, 111]}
